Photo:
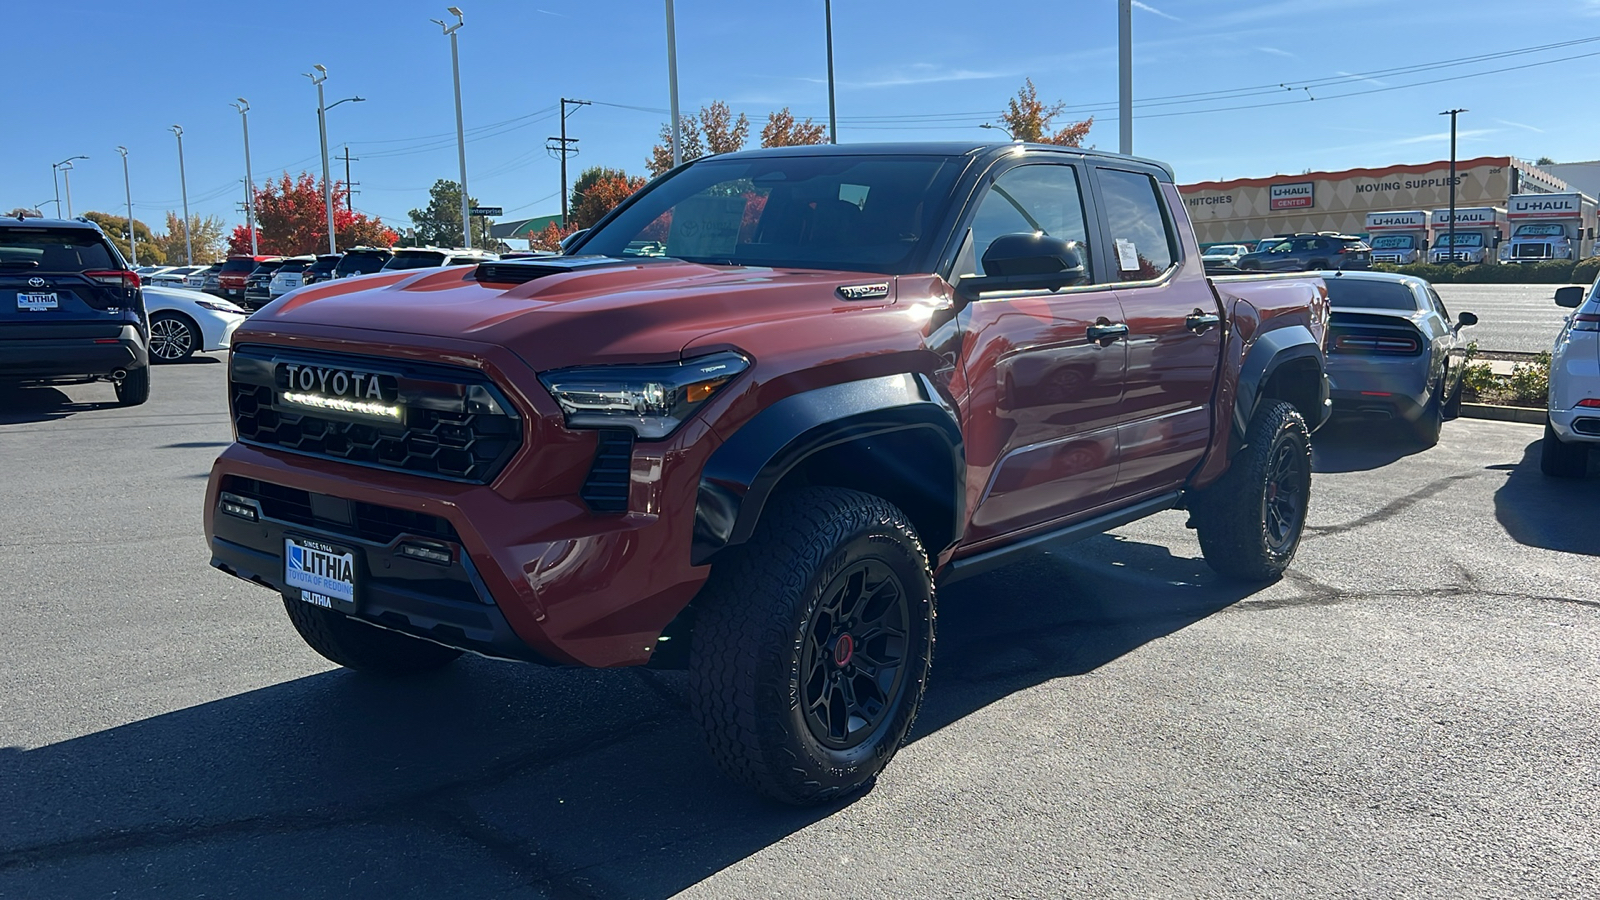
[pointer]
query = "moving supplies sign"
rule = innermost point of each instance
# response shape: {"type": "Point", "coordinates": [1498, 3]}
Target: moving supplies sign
{"type": "Point", "coordinates": [1293, 196]}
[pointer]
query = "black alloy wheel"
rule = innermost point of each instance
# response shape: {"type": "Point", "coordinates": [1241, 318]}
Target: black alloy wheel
{"type": "Point", "coordinates": [1283, 503]}
{"type": "Point", "coordinates": [855, 654]}
{"type": "Point", "coordinates": [1251, 520]}
{"type": "Point", "coordinates": [173, 338]}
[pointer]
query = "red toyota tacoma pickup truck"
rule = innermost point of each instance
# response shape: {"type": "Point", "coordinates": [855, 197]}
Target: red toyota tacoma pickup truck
{"type": "Point", "coordinates": [753, 419]}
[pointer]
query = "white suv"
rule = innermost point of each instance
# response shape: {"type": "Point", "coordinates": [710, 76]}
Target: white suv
{"type": "Point", "coordinates": [1574, 423]}
{"type": "Point", "coordinates": [430, 257]}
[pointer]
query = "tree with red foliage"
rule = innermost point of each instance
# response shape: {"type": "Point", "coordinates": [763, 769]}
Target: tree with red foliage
{"type": "Point", "coordinates": [783, 131]}
{"type": "Point", "coordinates": [292, 220]}
{"type": "Point", "coordinates": [602, 196]}
{"type": "Point", "coordinates": [550, 237]}
{"type": "Point", "coordinates": [1028, 119]}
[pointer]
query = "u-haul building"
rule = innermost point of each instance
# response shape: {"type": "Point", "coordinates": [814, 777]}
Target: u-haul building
{"type": "Point", "coordinates": [1249, 209]}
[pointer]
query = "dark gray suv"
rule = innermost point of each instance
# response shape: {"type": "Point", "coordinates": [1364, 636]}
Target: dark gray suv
{"type": "Point", "coordinates": [71, 311]}
{"type": "Point", "coordinates": [1306, 252]}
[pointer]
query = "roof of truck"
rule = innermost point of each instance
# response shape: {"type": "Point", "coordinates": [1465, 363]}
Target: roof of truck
{"type": "Point", "coordinates": [934, 148]}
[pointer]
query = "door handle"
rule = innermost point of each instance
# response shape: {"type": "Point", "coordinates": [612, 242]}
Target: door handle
{"type": "Point", "coordinates": [1105, 333]}
{"type": "Point", "coordinates": [1198, 322]}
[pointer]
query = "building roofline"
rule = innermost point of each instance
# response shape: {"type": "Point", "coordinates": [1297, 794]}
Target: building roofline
{"type": "Point", "coordinates": [1345, 173]}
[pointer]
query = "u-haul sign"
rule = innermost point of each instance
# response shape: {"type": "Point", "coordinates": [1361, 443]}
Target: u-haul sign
{"type": "Point", "coordinates": [1545, 206]}
{"type": "Point", "coordinates": [1468, 215]}
{"type": "Point", "coordinates": [1397, 221]}
{"type": "Point", "coordinates": [1301, 195]}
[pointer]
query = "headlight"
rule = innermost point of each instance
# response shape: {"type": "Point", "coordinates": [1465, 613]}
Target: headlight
{"type": "Point", "coordinates": [218, 306]}
{"type": "Point", "coordinates": [651, 400]}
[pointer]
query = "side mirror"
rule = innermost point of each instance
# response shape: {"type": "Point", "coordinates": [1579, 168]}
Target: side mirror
{"type": "Point", "coordinates": [1570, 297]}
{"type": "Point", "coordinates": [1466, 320]}
{"type": "Point", "coordinates": [1027, 261]}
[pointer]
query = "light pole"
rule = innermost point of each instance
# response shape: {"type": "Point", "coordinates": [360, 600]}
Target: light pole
{"type": "Point", "coordinates": [243, 106]}
{"type": "Point", "coordinates": [1452, 113]}
{"type": "Point", "coordinates": [1124, 76]}
{"type": "Point", "coordinates": [317, 79]}
{"type": "Point", "coordinates": [461, 133]}
{"type": "Point", "coordinates": [672, 87]}
{"type": "Point", "coordinates": [833, 121]}
{"type": "Point", "coordinates": [999, 129]}
{"type": "Point", "coordinates": [127, 190]}
{"type": "Point", "coordinates": [183, 181]}
{"type": "Point", "coordinates": [56, 167]}
{"type": "Point", "coordinates": [66, 176]}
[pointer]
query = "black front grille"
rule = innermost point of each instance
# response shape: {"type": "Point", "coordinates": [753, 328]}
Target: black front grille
{"type": "Point", "coordinates": [364, 521]}
{"type": "Point", "coordinates": [455, 424]}
{"type": "Point", "coordinates": [606, 488]}
{"type": "Point", "coordinates": [1531, 251]}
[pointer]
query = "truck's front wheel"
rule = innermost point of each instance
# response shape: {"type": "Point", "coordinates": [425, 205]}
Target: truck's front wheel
{"type": "Point", "coordinates": [812, 646]}
{"type": "Point", "coordinates": [1250, 521]}
{"type": "Point", "coordinates": [356, 645]}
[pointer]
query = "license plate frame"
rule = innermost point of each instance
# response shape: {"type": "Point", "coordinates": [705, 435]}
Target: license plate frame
{"type": "Point", "coordinates": [38, 301]}
{"type": "Point", "coordinates": [321, 573]}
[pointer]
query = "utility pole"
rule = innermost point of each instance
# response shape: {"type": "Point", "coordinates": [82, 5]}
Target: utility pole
{"type": "Point", "coordinates": [127, 189]}
{"type": "Point", "coordinates": [461, 133]}
{"type": "Point", "coordinates": [672, 88]}
{"type": "Point", "coordinates": [243, 106]}
{"type": "Point", "coordinates": [1124, 76]}
{"type": "Point", "coordinates": [1452, 113]}
{"type": "Point", "coordinates": [562, 147]}
{"type": "Point", "coordinates": [349, 186]}
{"type": "Point", "coordinates": [322, 128]}
{"type": "Point", "coordinates": [833, 120]}
{"type": "Point", "coordinates": [188, 244]}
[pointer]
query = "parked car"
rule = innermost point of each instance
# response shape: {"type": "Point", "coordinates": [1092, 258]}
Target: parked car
{"type": "Point", "coordinates": [288, 275]}
{"type": "Point", "coordinates": [361, 261]}
{"type": "Point", "coordinates": [430, 257]}
{"type": "Point", "coordinates": [185, 322]}
{"type": "Point", "coordinates": [258, 284]}
{"type": "Point", "coordinates": [146, 271]}
{"type": "Point", "coordinates": [1223, 257]}
{"type": "Point", "coordinates": [213, 281]}
{"type": "Point", "coordinates": [196, 280]}
{"type": "Point", "coordinates": [1394, 352]}
{"type": "Point", "coordinates": [71, 311]}
{"type": "Point", "coordinates": [1309, 252]}
{"type": "Point", "coordinates": [1572, 429]}
{"type": "Point", "coordinates": [1264, 243]}
{"type": "Point", "coordinates": [756, 458]}
{"type": "Point", "coordinates": [172, 276]}
{"type": "Point", "coordinates": [235, 271]}
{"type": "Point", "coordinates": [322, 269]}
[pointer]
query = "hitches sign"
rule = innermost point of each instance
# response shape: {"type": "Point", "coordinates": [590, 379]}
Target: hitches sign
{"type": "Point", "coordinates": [1300, 195]}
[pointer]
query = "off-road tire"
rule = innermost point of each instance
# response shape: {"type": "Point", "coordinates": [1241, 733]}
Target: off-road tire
{"type": "Point", "coordinates": [134, 389]}
{"type": "Point", "coordinates": [756, 619]}
{"type": "Point", "coordinates": [174, 333]}
{"type": "Point", "coordinates": [367, 648]}
{"type": "Point", "coordinates": [1231, 517]}
{"type": "Point", "coordinates": [1425, 430]}
{"type": "Point", "coordinates": [1559, 459]}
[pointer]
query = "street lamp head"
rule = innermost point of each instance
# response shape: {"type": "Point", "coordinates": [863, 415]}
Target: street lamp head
{"type": "Point", "coordinates": [177, 130]}
{"type": "Point", "coordinates": [123, 151]}
{"type": "Point", "coordinates": [320, 68]}
{"type": "Point", "coordinates": [996, 128]}
{"type": "Point", "coordinates": [243, 106]}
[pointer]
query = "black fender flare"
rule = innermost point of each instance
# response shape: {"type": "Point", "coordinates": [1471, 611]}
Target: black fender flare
{"type": "Point", "coordinates": [1266, 355]}
{"type": "Point", "coordinates": [742, 473]}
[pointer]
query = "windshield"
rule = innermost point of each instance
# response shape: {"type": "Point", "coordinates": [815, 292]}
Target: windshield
{"type": "Point", "coordinates": [1359, 293]}
{"type": "Point", "coordinates": [414, 259]}
{"type": "Point", "coordinates": [55, 250]}
{"type": "Point", "coordinates": [1462, 240]}
{"type": "Point", "coordinates": [361, 263]}
{"type": "Point", "coordinates": [856, 213]}
{"type": "Point", "coordinates": [1394, 242]}
{"type": "Point", "coordinates": [1541, 231]}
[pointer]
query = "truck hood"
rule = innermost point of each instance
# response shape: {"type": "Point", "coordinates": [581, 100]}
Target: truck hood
{"type": "Point", "coordinates": [572, 310]}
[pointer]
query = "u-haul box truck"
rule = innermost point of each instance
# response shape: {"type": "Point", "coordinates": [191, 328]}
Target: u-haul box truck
{"type": "Point", "coordinates": [1479, 230]}
{"type": "Point", "coordinates": [1398, 238]}
{"type": "Point", "coordinates": [1549, 226]}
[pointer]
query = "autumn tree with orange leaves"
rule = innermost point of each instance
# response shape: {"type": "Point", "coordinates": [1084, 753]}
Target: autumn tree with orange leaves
{"type": "Point", "coordinates": [782, 130]}
{"type": "Point", "coordinates": [1028, 119]}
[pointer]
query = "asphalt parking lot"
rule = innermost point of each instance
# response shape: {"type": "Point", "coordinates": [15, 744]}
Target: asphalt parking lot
{"type": "Point", "coordinates": [1520, 318]}
{"type": "Point", "coordinates": [1412, 712]}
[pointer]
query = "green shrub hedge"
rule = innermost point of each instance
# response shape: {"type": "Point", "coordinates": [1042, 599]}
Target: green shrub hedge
{"type": "Point", "coordinates": [1553, 272]}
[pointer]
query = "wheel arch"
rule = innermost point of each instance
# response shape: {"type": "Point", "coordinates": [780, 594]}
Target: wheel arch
{"type": "Point", "coordinates": [891, 436]}
{"type": "Point", "coordinates": [1283, 364]}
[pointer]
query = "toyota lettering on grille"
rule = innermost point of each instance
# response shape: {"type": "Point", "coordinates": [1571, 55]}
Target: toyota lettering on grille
{"type": "Point", "coordinates": [366, 394]}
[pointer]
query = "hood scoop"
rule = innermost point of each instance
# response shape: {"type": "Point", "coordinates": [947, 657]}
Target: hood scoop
{"type": "Point", "coordinates": [521, 271]}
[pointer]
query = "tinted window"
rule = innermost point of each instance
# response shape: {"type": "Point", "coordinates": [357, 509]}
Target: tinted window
{"type": "Point", "coordinates": [358, 263]}
{"type": "Point", "coordinates": [1359, 293]}
{"type": "Point", "coordinates": [55, 250]}
{"type": "Point", "coordinates": [856, 213]}
{"type": "Point", "coordinates": [1141, 242]}
{"type": "Point", "coordinates": [1438, 304]}
{"type": "Point", "coordinates": [239, 264]}
{"type": "Point", "coordinates": [415, 259]}
{"type": "Point", "coordinates": [324, 264]}
{"type": "Point", "coordinates": [1027, 199]}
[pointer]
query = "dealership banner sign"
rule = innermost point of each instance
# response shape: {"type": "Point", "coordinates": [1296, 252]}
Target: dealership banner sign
{"type": "Point", "coordinates": [1301, 195]}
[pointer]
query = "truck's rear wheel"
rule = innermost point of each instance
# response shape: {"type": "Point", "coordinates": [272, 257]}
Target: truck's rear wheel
{"type": "Point", "coordinates": [1250, 522]}
{"type": "Point", "coordinates": [812, 646]}
{"type": "Point", "coordinates": [356, 645]}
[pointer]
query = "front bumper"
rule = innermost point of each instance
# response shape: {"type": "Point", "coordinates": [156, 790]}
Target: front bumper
{"type": "Point", "coordinates": [44, 359]}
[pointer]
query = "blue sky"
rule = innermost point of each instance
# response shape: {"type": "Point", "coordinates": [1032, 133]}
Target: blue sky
{"type": "Point", "coordinates": [97, 74]}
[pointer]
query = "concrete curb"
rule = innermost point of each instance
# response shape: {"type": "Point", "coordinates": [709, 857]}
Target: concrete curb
{"type": "Point", "coordinates": [1525, 414]}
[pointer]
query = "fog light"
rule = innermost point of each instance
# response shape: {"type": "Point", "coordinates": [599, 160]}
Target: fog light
{"type": "Point", "coordinates": [235, 505]}
{"type": "Point", "coordinates": [1591, 402]}
{"type": "Point", "coordinates": [432, 553]}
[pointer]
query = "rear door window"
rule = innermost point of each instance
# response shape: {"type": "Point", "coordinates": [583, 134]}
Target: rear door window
{"type": "Point", "coordinates": [1139, 230]}
{"type": "Point", "coordinates": [55, 250]}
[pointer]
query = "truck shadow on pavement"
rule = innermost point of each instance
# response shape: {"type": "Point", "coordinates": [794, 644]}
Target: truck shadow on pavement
{"type": "Point", "coordinates": [1560, 514]}
{"type": "Point", "coordinates": [512, 780]}
{"type": "Point", "coordinates": [1347, 444]}
{"type": "Point", "coordinates": [21, 405]}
